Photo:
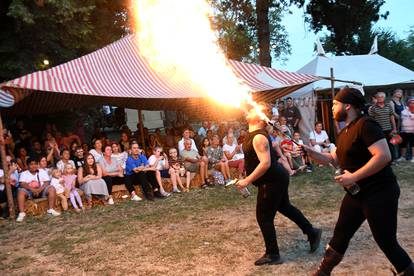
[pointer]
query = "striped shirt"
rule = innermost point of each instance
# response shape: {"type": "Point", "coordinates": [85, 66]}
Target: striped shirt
{"type": "Point", "coordinates": [382, 115]}
{"type": "Point", "coordinates": [407, 121]}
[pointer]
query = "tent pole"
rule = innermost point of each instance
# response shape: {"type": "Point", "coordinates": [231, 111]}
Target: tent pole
{"type": "Point", "coordinates": [332, 83]}
{"type": "Point", "coordinates": [141, 130]}
{"type": "Point", "coordinates": [10, 202]}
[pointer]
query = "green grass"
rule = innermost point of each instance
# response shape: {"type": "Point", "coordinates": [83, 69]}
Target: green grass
{"type": "Point", "coordinates": [166, 229]}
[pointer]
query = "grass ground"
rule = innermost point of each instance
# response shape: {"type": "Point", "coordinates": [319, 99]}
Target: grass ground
{"type": "Point", "coordinates": [205, 232]}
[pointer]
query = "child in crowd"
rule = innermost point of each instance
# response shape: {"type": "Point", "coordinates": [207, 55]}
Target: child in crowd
{"type": "Point", "coordinates": [205, 143]}
{"type": "Point", "coordinates": [177, 165]}
{"type": "Point", "coordinates": [69, 177]}
{"type": "Point", "coordinates": [59, 184]}
{"type": "Point", "coordinates": [297, 153]}
{"type": "Point", "coordinates": [159, 162]}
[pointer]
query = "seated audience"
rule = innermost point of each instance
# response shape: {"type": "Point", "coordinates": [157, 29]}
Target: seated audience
{"type": "Point", "coordinates": [79, 159]}
{"type": "Point", "coordinates": [91, 182]}
{"type": "Point", "coordinates": [202, 131]}
{"type": "Point", "coordinates": [69, 139]}
{"type": "Point", "coordinates": [159, 162]}
{"type": "Point", "coordinates": [284, 126]}
{"type": "Point", "coordinates": [153, 143]}
{"type": "Point", "coordinates": [319, 139]}
{"type": "Point", "coordinates": [234, 154]}
{"type": "Point", "coordinates": [205, 144]}
{"type": "Point", "coordinates": [112, 171]}
{"type": "Point", "coordinates": [22, 158]}
{"type": "Point", "coordinates": [64, 160]}
{"type": "Point", "coordinates": [170, 140]}
{"type": "Point", "coordinates": [33, 184]}
{"type": "Point", "coordinates": [138, 172]}
{"type": "Point", "coordinates": [186, 135]}
{"type": "Point", "coordinates": [73, 146]}
{"type": "Point", "coordinates": [97, 149]}
{"type": "Point", "coordinates": [121, 157]}
{"type": "Point", "coordinates": [124, 141]}
{"type": "Point", "coordinates": [59, 184]}
{"type": "Point", "coordinates": [37, 150]}
{"type": "Point", "coordinates": [177, 165]}
{"type": "Point", "coordinates": [45, 166]}
{"type": "Point", "coordinates": [69, 177]}
{"type": "Point", "coordinates": [193, 162]}
{"type": "Point", "coordinates": [216, 159]}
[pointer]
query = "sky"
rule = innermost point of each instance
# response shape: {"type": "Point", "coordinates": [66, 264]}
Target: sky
{"type": "Point", "coordinates": [302, 40]}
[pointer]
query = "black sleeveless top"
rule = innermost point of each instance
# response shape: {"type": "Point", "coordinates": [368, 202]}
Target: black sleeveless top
{"type": "Point", "coordinates": [275, 173]}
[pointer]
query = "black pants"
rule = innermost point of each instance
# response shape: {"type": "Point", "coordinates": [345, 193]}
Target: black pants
{"type": "Point", "coordinates": [380, 210]}
{"type": "Point", "coordinates": [147, 180]}
{"type": "Point", "coordinates": [273, 198]}
{"type": "Point", "coordinates": [113, 180]}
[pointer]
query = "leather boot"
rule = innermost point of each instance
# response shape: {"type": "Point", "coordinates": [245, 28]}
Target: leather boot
{"type": "Point", "coordinates": [409, 271]}
{"type": "Point", "coordinates": [330, 260]}
{"type": "Point", "coordinates": [314, 239]}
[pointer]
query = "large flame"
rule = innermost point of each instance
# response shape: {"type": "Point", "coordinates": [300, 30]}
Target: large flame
{"type": "Point", "coordinates": [176, 37]}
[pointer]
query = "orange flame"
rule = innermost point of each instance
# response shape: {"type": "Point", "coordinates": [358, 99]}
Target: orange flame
{"type": "Point", "coordinates": [176, 38]}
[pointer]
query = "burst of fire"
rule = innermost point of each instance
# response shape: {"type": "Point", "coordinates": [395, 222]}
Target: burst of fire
{"type": "Point", "coordinates": [176, 38]}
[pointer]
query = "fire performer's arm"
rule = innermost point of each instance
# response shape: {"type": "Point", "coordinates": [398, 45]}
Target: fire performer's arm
{"type": "Point", "coordinates": [323, 158]}
{"type": "Point", "coordinates": [261, 146]}
{"type": "Point", "coordinates": [381, 156]}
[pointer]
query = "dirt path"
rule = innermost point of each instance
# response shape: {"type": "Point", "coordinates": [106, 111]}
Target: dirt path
{"type": "Point", "coordinates": [212, 242]}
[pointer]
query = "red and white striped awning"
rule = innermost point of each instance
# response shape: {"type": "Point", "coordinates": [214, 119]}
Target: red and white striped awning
{"type": "Point", "coordinates": [118, 75]}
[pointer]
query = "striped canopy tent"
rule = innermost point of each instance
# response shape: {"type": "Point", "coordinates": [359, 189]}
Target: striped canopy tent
{"type": "Point", "coordinates": [119, 75]}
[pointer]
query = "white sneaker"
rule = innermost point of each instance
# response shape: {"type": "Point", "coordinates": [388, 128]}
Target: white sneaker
{"type": "Point", "coordinates": [110, 201]}
{"type": "Point", "coordinates": [176, 190]}
{"type": "Point", "coordinates": [53, 213]}
{"type": "Point", "coordinates": [400, 159]}
{"type": "Point", "coordinates": [21, 216]}
{"type": "Point", "coordinates": [136, 198]}
{"type": "Point", "coordinates": [164, 193]}
{"type": "Point", "coordinates": [412, 160]}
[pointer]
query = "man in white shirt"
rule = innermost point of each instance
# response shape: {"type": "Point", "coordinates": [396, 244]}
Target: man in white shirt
{"type": "Point", "coordinates": [319, 139]}
{"type": "Point", "coordinates": [186, 135]}
{"type": "Point", "coordinates": [35, 184]}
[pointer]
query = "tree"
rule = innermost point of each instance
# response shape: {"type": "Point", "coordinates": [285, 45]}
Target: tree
{"type": "Point", "coordinates": [348, 21]}
{"type": "Point", "coordinates": [265, 9]}
{"type": "Point", "coordinates": [398, 50]}
{"type": "Point", "coordinates": [237, 23]}
{"type": "Point", "coordinates": [57, 31]}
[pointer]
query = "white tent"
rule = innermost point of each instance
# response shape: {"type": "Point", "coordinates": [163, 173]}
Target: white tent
{"type": "Point", "coordinates": [372, 70]}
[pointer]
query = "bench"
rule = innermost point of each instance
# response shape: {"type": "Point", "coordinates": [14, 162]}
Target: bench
{"type": "Point", "coordinates": [39, 206]}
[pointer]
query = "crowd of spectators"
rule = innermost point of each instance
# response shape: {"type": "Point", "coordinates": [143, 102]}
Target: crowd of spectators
{"type": "Point", "coordinates": [57, 166]}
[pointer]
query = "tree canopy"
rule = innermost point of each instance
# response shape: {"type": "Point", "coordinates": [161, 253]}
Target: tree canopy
{"type": "Point", "coordinates": [241, 34]}
{"type": "Point", "coordinates": [348, 21]}
{"type": "Point", "coordinates": [55, 30]}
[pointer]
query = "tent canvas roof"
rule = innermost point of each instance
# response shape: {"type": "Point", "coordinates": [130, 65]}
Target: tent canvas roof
{"type": "Point", "coordinates": [370, 70]}
{"type": "Point", "coordinates": [118, 75]}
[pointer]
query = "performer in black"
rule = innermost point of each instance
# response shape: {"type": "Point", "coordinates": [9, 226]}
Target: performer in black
{"type": "Point", "coordinates": [363, 154]}
{"type": "Point", "coordinates": [272, 180]}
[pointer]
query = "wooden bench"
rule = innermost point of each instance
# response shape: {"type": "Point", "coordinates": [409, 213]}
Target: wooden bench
{"type": "Point", "coordinates": [39, 206]}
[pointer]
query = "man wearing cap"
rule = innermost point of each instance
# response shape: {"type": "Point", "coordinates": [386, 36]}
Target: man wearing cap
{"type": "Point", "coordinates": [363, 155]}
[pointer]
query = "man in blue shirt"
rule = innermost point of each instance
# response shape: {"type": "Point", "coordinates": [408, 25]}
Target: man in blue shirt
{"type": "Point", "coordinates": [138, 171]}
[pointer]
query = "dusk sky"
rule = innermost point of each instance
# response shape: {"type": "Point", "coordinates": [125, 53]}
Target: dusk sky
{"type": "Point", "coordinates": [302, 40]}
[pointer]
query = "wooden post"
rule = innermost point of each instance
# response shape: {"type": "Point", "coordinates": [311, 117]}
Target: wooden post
{"type": "Point", "coordinates": [10, 202]}
{"type": "Point", "coordinates": [141, 129]}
